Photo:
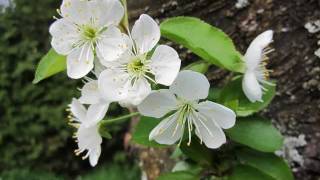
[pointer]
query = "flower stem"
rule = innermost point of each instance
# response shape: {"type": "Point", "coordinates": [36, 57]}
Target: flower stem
{"type": "Point", "coordinates": [125, 117]}
{"type": "Point", "coordinates": [125, 22]}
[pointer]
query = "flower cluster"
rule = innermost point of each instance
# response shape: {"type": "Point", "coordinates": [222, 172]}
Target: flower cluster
{"type": "Point", "coordinates": [119, 65]}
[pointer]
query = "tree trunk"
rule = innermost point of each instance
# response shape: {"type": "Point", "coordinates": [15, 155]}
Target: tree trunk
{"type": "Point", "coordinates": [296, 107]}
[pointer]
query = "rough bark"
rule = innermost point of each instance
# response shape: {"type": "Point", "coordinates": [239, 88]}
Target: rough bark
{"type": "Point", "coordinates": [296, 107]}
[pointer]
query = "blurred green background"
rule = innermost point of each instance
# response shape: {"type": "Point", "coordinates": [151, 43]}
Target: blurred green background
{"type": "Point", "coordinates": [35, 140]}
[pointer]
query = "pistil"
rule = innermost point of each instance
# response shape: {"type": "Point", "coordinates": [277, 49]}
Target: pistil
{"type": "Point", "coordinates": [185, 111]}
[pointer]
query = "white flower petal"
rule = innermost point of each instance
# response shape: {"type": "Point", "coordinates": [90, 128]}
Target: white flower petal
{"type": "Point", "coordinates": [190, 85]}
{"type": "Point", "coordinates": [64, 36]}
{"type": "Point", "coordinates": [96, 113]}
{"type": "Point", "coordinates": [209, 132]}
{"type": "Point", "coordinates": [76, 11]}
{"type": "Point", "coordinates": [94, 156]}
{"type": "Point", "coordinates": [158, 104]}
{"type": "Point", "coordinates": [122, 61]}
{"type": "Point", "coordinates": [78, 110]}
{"type": "Point", "coordinates": [89, 140]}
{"type": "Point", "coordinates": [254, 52]}
{"type": "Point", "coordinates": [80, 61]}
{"type": "Point", "coordinates": [114, 85]}
{"type": "Point", "coordinates": [137, 93]}
{"type": "Point", "coordinates": [98, 68]}
{"type": "Point", "coordinates": [90, 93]}
{"type": "Point", "coordinates": [168, 131]}
{"type": "Point", "coordinates": [222, 115]}
{"type": "Point", "coordinates": [251, 87]}
{"type": "Point", "coordinates": [165, 64]}
{"type": "Point", "coordinates": [145, 33]}
{"type": "Point", "coordinates": [106, 12]}
{"type": "Point", "coordinates": [112, 45]}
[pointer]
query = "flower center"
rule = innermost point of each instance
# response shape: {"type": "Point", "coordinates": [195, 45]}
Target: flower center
{"type": "Point", "coordinates": [135, 66]}
{"type": "Point", "coordinates": [185, 111]}
{"type": "Point", "coordinates": [185, 116]}
{"type": "Point", "coordinates": [265, 73]}
{"type": "Point", "coordinates": [89, 33]}
{"type": "Point", "coordinates": [138, 67]}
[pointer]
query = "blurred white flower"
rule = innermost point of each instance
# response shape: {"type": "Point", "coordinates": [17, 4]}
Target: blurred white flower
{"type": "Point", "coordinates": [87, 27]}
{"type": "Point", "coordinates": [256, 74]}
{"type": "Point", "coordinates": [88, 138]}
{"type": "Point", "coordinates": [6, 4]}
{"type": "Point", "coordinates": [127, 79]}
{"type": "Point", "coordinates": [182, 99]}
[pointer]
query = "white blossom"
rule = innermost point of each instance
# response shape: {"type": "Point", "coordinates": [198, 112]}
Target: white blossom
{"type": "Point", "coordinates": [128, 79]}
{"type": "Point", "coordinates": [98, 106]}
{"type": "Point", "coordinates": [256, 74]}
{"type": "Point", "coordinates": [87, 137]}
{"type": "Point", "coordinates": [182, 99]}
{"type": "Point", "coordinates": [86, 28]}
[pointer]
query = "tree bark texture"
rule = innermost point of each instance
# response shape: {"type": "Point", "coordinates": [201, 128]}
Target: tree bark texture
{"type": "Point", "coordinates": [296, 107]}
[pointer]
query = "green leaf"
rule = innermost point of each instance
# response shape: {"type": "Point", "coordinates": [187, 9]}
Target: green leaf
{"type": "Point", "coordinates": [234, 104]}
{"type": "Point", "coordinates": [51, 64]}
{"type": "Point", "coordinates": [206, 41]}
{"type": "Point", "coordinates": [142, 131]}
{"type": "Point", "coordinates": [178, 175]}
{"type": "Point", "coordinates": [232, 93]}
{"type": "Point", "coordinates": [242, 172]}
{"type": "Point", "coordinates": [256, 133]}
{"type": "Point", "coordinates": [267, 163]}
{"type": "Point", "coordinates": [104, 132]}
{"type": "Point", "coordinates": [199, 66]}
{"type": "Point", "coordinates": [197, 152]}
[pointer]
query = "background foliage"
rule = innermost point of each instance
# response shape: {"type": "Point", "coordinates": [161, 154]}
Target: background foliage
{"type": "Point", "coordinates": [34, 135]}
